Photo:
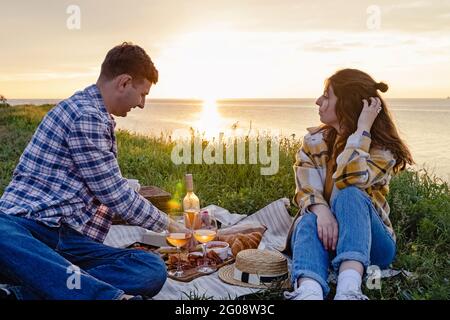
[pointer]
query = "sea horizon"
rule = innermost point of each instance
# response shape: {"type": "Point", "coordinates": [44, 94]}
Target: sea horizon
{"type": "Point", "coordinates": [422, 122]}
{"type": "Point", "coordinates": [38, 101]}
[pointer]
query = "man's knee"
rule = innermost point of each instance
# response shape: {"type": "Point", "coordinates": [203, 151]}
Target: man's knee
{"type": "Point", "coordinates": [153, 273]}
{"type": "Point", "coordinates": [159, 274]}
{"type": "Point", "coordinates": [9, 230]}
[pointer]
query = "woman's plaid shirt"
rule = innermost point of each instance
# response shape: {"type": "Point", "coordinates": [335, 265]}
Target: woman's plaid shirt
{"type": "Point", "coordinates": [369, 169]}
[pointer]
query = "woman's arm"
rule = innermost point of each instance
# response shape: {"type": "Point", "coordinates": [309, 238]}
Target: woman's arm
{"type": "Point", "coordinates": [309, 195]}
{"type": "Point", "coordinates": [355, 165]}
{"type": "Point", "coordinates": [308, 180]}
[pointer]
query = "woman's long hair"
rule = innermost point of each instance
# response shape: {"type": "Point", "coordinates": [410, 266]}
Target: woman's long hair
{"type": "Point", "coordinates": [351, 86]}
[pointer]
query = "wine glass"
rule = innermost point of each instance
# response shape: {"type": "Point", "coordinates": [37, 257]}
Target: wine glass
{"type": "Point", "coordinates": [205, 230]}
{"type": "Point", "coordinates": [191, 218]}
{"type": "Point", "coordinates": [178, 239]}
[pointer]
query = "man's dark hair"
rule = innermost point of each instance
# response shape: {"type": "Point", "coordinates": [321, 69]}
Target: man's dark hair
{"type": "Point", "coordinates": [130, 59]}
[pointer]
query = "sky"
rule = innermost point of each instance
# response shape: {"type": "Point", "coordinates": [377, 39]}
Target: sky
{"type": "Point", "coordinates": [210, 49]}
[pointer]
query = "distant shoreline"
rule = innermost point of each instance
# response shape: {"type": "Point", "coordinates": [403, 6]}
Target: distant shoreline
{"type": "Point", "coordinates": [37, 102]}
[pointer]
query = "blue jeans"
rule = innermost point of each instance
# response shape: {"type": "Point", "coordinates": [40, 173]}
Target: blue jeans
{"type": "Point", "coordinates": [362, 237]}
{"type": "Point", "coordinates": [37, 262]}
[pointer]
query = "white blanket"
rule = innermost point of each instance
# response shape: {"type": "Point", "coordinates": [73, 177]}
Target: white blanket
{"type": "Point", "coordinates": [274, 216]}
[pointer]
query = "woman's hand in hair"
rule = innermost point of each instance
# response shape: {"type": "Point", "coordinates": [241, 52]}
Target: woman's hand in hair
{"type": "Point", "coordinates": [327, 227]}
{"type": "Point", "coordinates": [369, 113]}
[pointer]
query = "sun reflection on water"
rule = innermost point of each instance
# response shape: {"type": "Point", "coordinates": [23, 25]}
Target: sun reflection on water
{"type": "Point", "coordinates": [210, 122]}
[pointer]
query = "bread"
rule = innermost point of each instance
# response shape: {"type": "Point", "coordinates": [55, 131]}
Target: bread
{"type": "Point", "coordinates": [240, 241]}
{"type": "Point", "coordinates": [246, 241]}
{"type": "Point", "coordinates": [244, 228]}
{"type": "Point", "coordinates": [227, 238]}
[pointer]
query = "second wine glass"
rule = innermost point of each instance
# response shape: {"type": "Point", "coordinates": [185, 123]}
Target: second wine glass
{"type": "Point", "coordinates": [205, 230]}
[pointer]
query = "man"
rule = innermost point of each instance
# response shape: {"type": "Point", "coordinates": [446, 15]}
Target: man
{"type": "Point", "coordinates": [58, 208]}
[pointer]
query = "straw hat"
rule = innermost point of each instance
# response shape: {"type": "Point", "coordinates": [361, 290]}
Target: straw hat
{"type": "Point", "coordinates": [255, 269]}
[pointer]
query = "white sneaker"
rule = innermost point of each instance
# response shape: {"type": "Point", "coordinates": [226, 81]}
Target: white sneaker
{"type": "Point", "coordinates": [350, 295]}
{"type": "Point", "coordinates": [303, 293]}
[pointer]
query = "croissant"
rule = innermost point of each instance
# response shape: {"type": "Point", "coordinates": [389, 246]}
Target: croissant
{"type": "Point", "coordinates": [244, 228]}
{"type": "Point", "coordinates": [227, 238]}
{"type": "Point", "coordinates": [246, 241]}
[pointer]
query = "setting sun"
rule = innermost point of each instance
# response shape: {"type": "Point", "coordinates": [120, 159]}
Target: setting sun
{"type": "Point", "coordinates": [236, 49]}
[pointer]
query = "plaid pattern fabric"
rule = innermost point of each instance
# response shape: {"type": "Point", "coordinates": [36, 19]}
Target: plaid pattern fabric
{"type": "Point", "coordinates": [98, 226]}
{"type": "Point", "coordinates": [69, 172]}
{"type": "Point", "coordinates": [369, 169]}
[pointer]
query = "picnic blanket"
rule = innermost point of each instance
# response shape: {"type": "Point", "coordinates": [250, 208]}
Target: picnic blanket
{"type": "Point", "coordinates": [275, 217]}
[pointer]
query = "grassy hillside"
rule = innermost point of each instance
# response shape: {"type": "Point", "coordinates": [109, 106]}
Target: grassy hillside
{"type": "Point", "coordinates": [420, 203]}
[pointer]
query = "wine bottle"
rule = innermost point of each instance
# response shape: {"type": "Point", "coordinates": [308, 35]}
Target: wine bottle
{"type": "Point", "coordinates": [191, 203]}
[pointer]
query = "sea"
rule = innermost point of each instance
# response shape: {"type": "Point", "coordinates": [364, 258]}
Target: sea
{"type": "Point", "coordinates": [424, 124]}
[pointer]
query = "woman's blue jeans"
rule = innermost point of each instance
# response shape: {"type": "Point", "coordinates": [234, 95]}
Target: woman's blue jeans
{"type": "Point", "coordinates": [363, 237]}
{"type": "Point", "coordinates": [39, 262]}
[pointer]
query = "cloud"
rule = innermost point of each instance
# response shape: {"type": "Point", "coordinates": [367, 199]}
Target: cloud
{"type": "Point", "coordinates": [46, 76]}
{"type": "Point", "coordinates": [416, 16]}
{"type": "Point", "coordinates": [332, 44]}
{"type": "Point", "coordinates": [409, 5]}
{"type": "Point", "coordinates": [444, 16]}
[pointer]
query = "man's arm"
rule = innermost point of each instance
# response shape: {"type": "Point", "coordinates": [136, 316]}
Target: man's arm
{"type": "Point", "coordinates": [90, 145]}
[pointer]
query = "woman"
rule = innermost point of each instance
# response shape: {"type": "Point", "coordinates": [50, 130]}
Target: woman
{"type": "Point", "coordinates": [342, 175]}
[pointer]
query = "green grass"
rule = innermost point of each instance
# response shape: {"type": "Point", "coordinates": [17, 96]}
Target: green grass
{"type": "Point", "coordinates": [420, 202]}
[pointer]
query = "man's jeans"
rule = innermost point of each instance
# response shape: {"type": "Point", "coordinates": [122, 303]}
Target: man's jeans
{"type": "Point", "coordinates": [362, 237]}
{"type": "Point", "coordinates": [39, 262]}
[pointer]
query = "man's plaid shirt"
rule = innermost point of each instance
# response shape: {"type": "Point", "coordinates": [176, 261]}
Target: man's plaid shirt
{"type": "Point", "coordinates": [69, 173]}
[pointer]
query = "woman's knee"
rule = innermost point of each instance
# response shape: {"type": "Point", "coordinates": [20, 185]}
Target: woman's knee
{"type": "Point", "coordinates": [307, 221]}
{"type": "Point", "coordinates": [348, 200]}
{"type": "Point", "coordinates": [306, 226]}
{"type": "Point", "coordinates": [349, 193]}
{"type": "Point", "coordinates": [383, 257]}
